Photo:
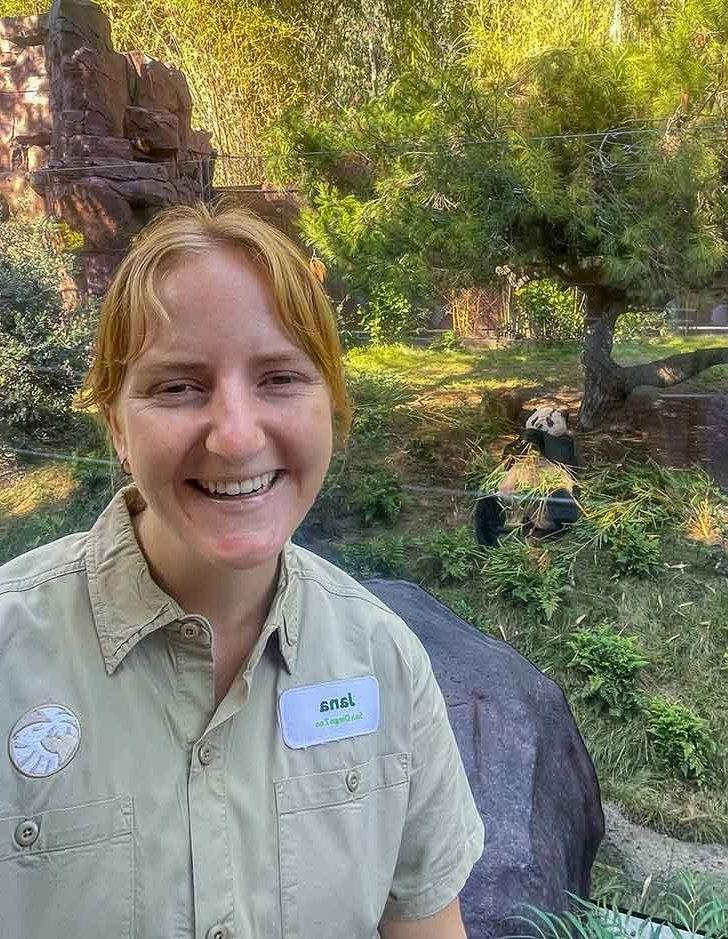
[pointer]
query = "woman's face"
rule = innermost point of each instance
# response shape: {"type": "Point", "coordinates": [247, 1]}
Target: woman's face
{"type": "Point", "coordinates": [222, 399]}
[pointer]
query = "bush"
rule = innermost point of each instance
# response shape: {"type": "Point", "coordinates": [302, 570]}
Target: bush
{"type": "Point", "coordinates": [447, 341]}
{"type": "Point", "coordinates": [610, 662]}
{"type": "Point", "coordinates": [634, 325]}
{"type": "Point", "coordinates": [634, 551]}
{"type": "Point", "coordinates": [45, 347]}
{"type": "Point", "coordinates": [548, 312]}
{"type": "Point", "coordinates": [377, 498]}
{"type": "Point", "coordinates": [452, 555]}
{"type": "Point", "coordinates": [681, 739]}
{"type": "Point", "coordinates": [386, 556]}
{"type": "Point", "coordinates": [531, 577]}
{"type": "Point", "coordinates": [389, 316]}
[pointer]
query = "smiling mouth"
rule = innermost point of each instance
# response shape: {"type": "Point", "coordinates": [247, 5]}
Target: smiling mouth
{"type": "Point", "coordinates": [265, 486]}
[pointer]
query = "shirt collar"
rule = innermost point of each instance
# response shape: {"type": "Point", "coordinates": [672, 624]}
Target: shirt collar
{"type": "Point", "coordinates": [127, 603]}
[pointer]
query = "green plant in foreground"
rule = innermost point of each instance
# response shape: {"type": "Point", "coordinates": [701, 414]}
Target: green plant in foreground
{"type": "Point", "coordinates": [610, 662]}
{"type": "Point", "coordinates": [681, 739]}
{"type": "Point", "coordinates": [453, 555]}
{"type": "Point", "coordinates": [695, 916]}
{"type": "Point", "coordinates": [530, 576]}
{"type": "Point", "coordinates": [387, 556]}
{"type": "Point", "coordinates": [376, 497]}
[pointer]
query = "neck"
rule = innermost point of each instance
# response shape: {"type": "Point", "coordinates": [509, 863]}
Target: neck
{"type": "Point", "coordinates": [235, 602]}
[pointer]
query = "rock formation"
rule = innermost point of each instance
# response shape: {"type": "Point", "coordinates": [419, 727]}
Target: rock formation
{"type": "Point", "coordinates": [99, 139]}
{"type": "Point", "coordinates": [527, 765]}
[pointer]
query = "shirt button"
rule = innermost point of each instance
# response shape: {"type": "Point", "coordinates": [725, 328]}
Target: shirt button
{"type": "Point", "coordinates": [27, 833]}
{"type": "Point", "coordinates": [352, 780]}
{"type": "Point", "coordinates": [217, 932]}
{"type": "Point", "coordinates": [205, 755]}
{"type": "Point", "coordinates": [190, 631]}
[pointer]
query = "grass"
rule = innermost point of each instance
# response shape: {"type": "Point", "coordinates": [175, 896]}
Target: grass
{"type": "Point", "coordinates": [431, 424]}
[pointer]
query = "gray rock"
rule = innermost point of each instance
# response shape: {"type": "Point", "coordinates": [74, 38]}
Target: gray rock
{"type": "Point", "coordinates": [531, 775]}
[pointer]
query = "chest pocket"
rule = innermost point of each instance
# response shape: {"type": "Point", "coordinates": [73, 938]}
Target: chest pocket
{"type": "Point", "coordinates": [339, 835]}
{"type": "Point", "coordinates": [68, 872]}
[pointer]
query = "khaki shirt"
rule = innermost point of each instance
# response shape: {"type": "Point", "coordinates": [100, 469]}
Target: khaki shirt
{"type": "Point", "coordinates": [130, 806]}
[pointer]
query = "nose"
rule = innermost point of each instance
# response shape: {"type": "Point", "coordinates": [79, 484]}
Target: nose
{"type": "Point", "coordinates": [235, 430]}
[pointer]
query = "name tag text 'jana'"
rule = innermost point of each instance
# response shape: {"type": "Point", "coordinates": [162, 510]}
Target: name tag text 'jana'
{"type": "Point", "coordinates": [329, 711]}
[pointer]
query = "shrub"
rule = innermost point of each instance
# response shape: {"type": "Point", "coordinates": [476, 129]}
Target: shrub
{"type": "Point", "coordinates": [386, 556]}
{"type": "Point", "coordinates": [44, 346]}
{"type": "Point", "coordinates": [681, 739]}
{"type": "Point", "coordinates": [548, 312]}
{"type": "Point", "coordinates": [634, 325]}
{"type": "Point", "coordinates": [447, 341]}
{"type": "Point", "coordinates": [452, 555]}
{"type": "Point", "coordinates": [531, 577]}
{"type": "Point", "coordinates": [389, 316]}
{"type": "Point", "coordinates": [634, 551]}
{"type": "Point", "coordinates": [376, 497]}
{"type": "Point", "coordinates": [610, 662]}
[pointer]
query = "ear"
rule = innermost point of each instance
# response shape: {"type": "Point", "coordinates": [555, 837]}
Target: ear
{"type": "Point", "coordinates": [117, 433]}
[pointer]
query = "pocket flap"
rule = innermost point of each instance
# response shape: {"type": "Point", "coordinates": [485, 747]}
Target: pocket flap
{"type": "Point", "coordinates": [349, 784]}
{"type": "Point", "coordinates": [69, 827]}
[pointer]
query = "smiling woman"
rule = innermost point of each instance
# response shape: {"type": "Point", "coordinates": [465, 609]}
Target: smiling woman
{"type": "Point", "coordinates": [190, 646]}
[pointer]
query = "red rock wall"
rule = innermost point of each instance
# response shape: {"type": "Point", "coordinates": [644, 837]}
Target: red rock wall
{"type": "Point", "coordinates": [97, 138]}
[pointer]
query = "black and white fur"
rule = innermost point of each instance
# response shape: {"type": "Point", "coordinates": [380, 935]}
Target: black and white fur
{"type": "Point", "coordinates": [545, 435]}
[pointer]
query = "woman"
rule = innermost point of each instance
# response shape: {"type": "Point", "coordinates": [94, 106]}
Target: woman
{"type": "Point", "coordinates": [211, 731]}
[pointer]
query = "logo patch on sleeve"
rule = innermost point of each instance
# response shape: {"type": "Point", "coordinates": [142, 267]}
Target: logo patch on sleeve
{"type": "Point", "coordinates": [332, 710]}
{"type": "Point", "coordinates": [44, 740]}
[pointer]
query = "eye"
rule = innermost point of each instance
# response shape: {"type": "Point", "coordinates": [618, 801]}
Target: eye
{"type": "Point", "coordinates": [282, 378]}
{"type": "Point", "coordinates": [177, 388]}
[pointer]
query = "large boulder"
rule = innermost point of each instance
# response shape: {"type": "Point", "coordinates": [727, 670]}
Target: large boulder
{"type": "Point", "coordinates": [529, 770]}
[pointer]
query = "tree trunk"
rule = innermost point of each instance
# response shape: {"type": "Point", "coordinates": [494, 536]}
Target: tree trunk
{"type": "Point", "coordinates": [604, 386]}
{"type": "Point", "coordinates": [607, 384]}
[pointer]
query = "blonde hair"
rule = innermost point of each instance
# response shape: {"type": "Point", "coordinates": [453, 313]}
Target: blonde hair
{"type": "Point", "coordinates": [132, 305]}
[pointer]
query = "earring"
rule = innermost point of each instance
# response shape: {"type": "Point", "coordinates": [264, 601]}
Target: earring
{"type": "Point", "coordinates": [125, 468]}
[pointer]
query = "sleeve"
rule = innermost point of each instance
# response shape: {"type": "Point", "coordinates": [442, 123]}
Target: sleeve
{"type": "Point", "coordinates": [443, 831]}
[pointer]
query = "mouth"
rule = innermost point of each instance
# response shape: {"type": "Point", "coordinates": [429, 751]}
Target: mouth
{"type": "Point", "coordinates": [237, 490]}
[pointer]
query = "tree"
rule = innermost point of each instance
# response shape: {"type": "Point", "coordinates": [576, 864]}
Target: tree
{"type": "Point", "coordinates": [599, 163]}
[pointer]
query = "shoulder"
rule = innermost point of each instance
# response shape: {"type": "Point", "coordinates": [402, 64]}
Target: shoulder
{"type": "Point", "coordinates": [333, 599]}
{"type": "Point", "coordinates": [48, 564]}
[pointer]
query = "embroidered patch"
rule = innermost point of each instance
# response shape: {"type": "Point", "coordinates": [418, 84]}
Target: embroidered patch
{"type": "Point", "coordinates": [332, 710]}
{"type": "Point", "coordinates": [44, 740]}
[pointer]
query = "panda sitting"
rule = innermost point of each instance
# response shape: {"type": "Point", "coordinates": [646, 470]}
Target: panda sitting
{"type": "Point", "coordinates": [543, 459]}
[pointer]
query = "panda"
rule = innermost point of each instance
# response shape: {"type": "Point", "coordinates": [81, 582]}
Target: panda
{"type": "Point", "coordinates": [544, 455]}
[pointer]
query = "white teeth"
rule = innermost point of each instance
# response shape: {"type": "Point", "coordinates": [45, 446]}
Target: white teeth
{"type": "Point", "coordinates": [238, 487]}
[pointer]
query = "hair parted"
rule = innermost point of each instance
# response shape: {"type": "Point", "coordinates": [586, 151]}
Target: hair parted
{"type": "Point", "coordinates": [132, 305]}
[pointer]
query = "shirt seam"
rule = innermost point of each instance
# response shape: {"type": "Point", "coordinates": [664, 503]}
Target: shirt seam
{"type": "Point", "coordinates": [37, 580]}
{"type": "Point", "coordinates": [344, 593]}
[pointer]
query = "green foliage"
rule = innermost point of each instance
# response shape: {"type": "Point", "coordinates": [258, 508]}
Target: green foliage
{"type": "Point", "coordinates": [385, 556]}
{"type": "Point", "coordinates": [610, 661]}
{"type": "Point", "coordinates": [452, 555]}
{"type": "Point", "coordinates": [633, 550]}
{"type": "Point", "coordinates": [698, 912]}
{"type": "Point", "coordinates": [634, 325]}
{"type": "Point", "coordinates": [389, 316]}
{"type": "Point", "coordinates": [45, 346]}
{"type": "Point", "coordinates": [531, 577]}
{"type": "Point", "coordinates": [377, 497]}
{"type": "Point", "coordinates": [681, 739]}
{"type": "Point", "coordinates": [447, 175]}
{"type": "Point", "coordinates": [447, 341]}
{"type": "Point", "coordinates": [548, 312]}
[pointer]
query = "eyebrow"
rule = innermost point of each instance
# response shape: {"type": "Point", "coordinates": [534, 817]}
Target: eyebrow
{"type": "Point", "coordinates": [268, 359]}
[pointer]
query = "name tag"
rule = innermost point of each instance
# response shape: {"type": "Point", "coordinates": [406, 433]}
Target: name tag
{"type": "Point", "coordinates": [333, 710]}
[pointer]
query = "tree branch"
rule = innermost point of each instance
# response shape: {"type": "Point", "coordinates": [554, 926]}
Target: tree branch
{"type": "Point", "coordinates": [674, 369]}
